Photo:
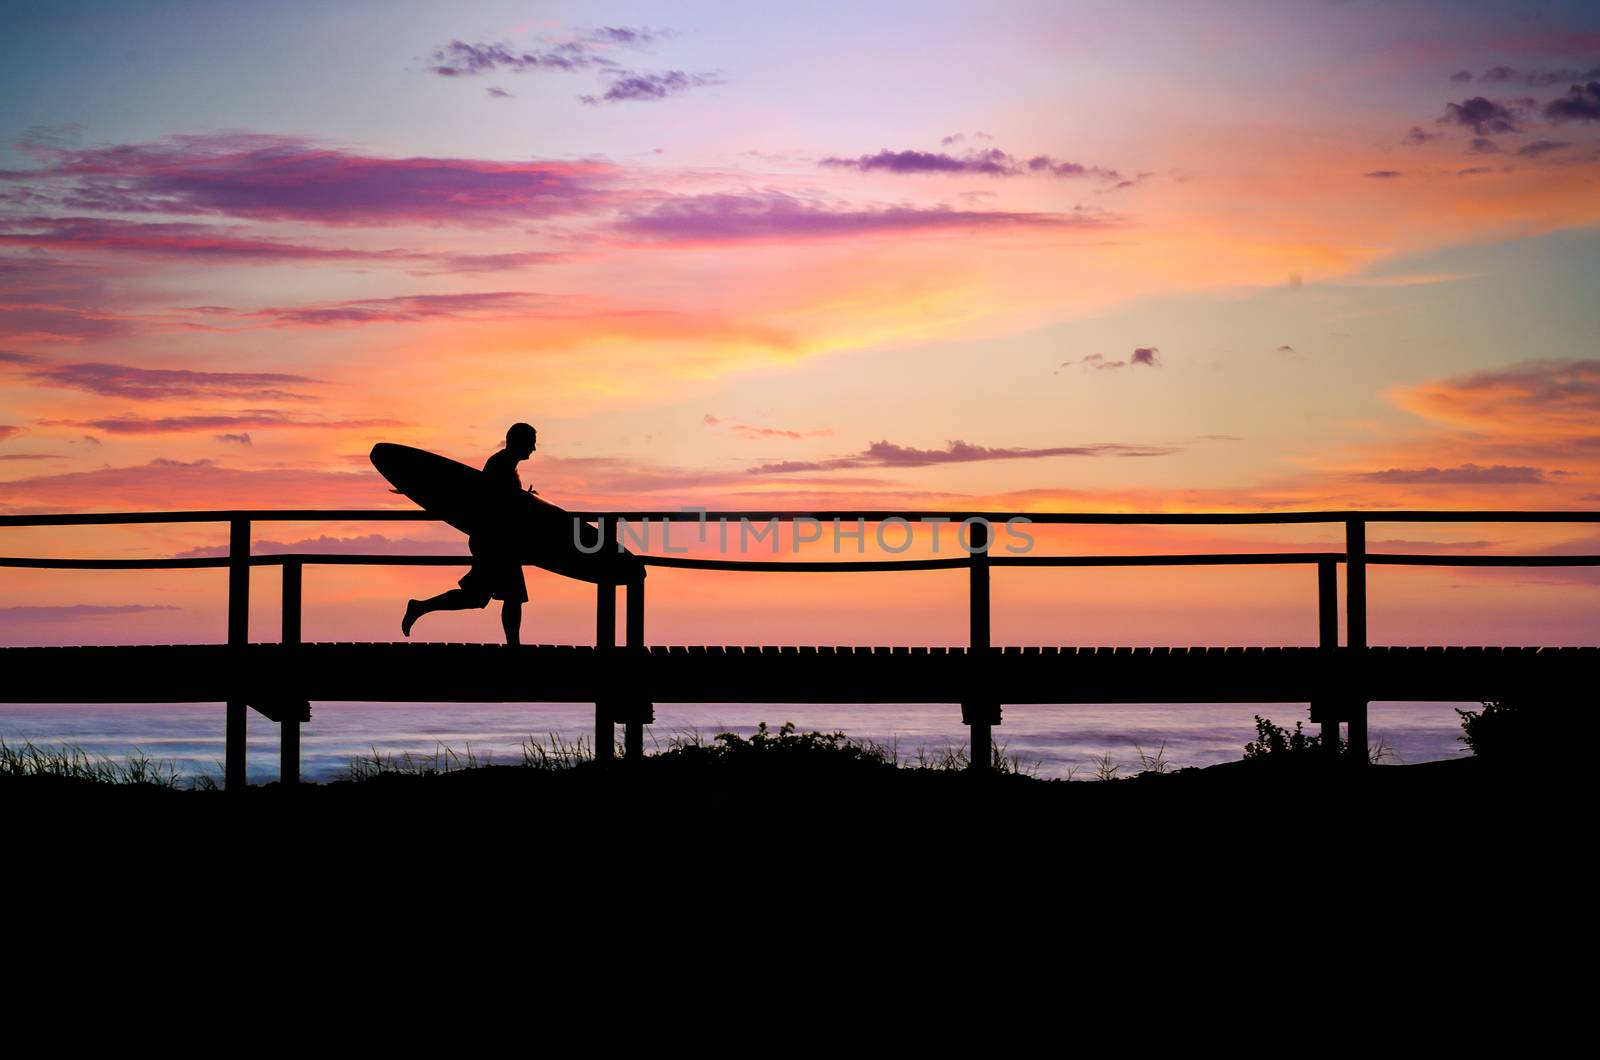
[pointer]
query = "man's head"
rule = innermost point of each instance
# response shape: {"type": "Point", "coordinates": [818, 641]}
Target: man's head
{"type": "Point", "coordinates": [521, 440]}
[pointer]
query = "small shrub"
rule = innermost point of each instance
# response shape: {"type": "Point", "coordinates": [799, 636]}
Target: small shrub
{"type": "Point", "coordinates": [1501, 730]}
{"type": "Point", "coordinates": [1277, 741]}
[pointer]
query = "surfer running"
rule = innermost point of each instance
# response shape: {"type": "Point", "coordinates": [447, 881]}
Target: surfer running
{"type": "Point", "coordinates": [495, 572]}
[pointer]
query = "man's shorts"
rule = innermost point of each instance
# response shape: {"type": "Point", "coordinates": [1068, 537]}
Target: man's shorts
{"type": "Point", "coordinates": [494, 572]}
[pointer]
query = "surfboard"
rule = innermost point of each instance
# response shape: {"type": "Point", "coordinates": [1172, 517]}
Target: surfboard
{"type": "Point", "coordinates": [539, 533]}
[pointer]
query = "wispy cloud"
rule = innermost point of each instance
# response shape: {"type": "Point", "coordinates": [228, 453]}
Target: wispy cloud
{"type": "Point", "coordinates": [644, 86]}
{"type": "Point", "coordinates": [1148, 356]}
{"type": "Point", "coordinates": [1581, 103]}
{"type": "Point", "coordinates": [265, 177]}
{"type": "Point", "coordinates": [992, 162]}
{"type": "Point", "coordinates": [398, 310]}
{"type": "Point", "coordinates": [9, 430]}
{"type": "Point", "coordinates": [1483, 116]}
{"type": "Point", "coordinates": [143, 384]}
{"type": "Point", "coordinates": [460, 59]}
{"type": "Point", "coordinates": [1542, 147]}
{"type": "Point", "coordinates": [714, 218]}
{"type": "Point", "coordinates": [1536, 78]}
{"type": "Point", "coordinates": [168, 484]}
{"type": "Point", "coordinates": [173, 239]}
{"type": "Point", "coordinates": [76, 612]}
{"type": "Point", "coordinates": [371, 544]}
{"type": "Point", "coordinates": [1464, 475]}
{"type": "Point", "coordinates": [888, 454]}
{"type": "Point", "coordinates": [253, 418]}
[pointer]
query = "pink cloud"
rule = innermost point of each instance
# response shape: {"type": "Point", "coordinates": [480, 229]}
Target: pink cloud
{"type": "Point", "coordinates": [174, 239]}
{"type": "Point", "coordinates": [256, 418]}
{"type": "Point", "coordinates": [277, 178]}
{"type": "Point", "coordinates": [167, 485]}
{"type": "Point", "coordinates": [723, 218]}
{"type": "Point", "coordinates": [127, 381]}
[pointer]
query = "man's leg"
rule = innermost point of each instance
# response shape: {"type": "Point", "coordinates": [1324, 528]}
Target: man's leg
{"type": "Point", "coordinates": [511, 620]}
{"type": "Point", "coordinates": [452, 600]}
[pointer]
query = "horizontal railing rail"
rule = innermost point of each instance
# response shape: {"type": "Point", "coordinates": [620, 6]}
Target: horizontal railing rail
{"type": "Point", "coordinates": [1198, 559]}
{"type": "Point", "coordinates": [693, 515]}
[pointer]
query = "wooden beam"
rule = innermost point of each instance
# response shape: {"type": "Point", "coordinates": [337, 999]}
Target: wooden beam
{"type": "Point", "coordinates": [978, 714]}
{"type": "Point", "coordinates": [289, 727]}
{"type": "Point", "coordinates": [638, 712]}
{"type": "Point", "coordinates": [1326, 709]}
{"type": "Point", "coordinates": [605, 640]}
{"type": "Point", "coordinates": [235, 748]}
{"type": "Point", "coordinates": [1355, 549]}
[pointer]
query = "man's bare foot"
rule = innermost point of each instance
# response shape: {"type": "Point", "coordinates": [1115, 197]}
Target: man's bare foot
{"type": "Point", "coordinates": [412, 614]}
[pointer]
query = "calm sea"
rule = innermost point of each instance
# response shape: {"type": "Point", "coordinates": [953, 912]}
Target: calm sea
{"type": "Point", "coordinates": [1052, 741]}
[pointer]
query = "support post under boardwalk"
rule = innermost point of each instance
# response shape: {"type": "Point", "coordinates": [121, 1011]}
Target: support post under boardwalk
{"type": "Point", "coordinates": [289, 721]}
{"type": "Point", "coordinates": [639, 712]}
{"type": "Point", "coordinates": [1326, 710]}
{"type": "Point", "coordinates": [605, 641]}
{"type": "Point", "coordinates": [1355, 548]}
{"type": "Point", "coordinates": [979, 715]}
{"type": "Point", "coordinates": [233, 742]}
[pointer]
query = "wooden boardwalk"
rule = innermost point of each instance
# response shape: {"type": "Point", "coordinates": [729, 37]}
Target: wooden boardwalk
{"type": "Point", "coordinates": [266, 675]}
{"type": "Point", "coordinates": [1337, 678]}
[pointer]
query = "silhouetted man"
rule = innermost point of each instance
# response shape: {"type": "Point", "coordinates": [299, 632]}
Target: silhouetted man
{"type": "Point", "coordinates": [495, 572]}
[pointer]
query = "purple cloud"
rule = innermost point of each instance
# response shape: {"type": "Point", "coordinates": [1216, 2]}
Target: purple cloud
{"type": "Point", "coordinates": [1465, 475]}
{"type": "Point", "coordinates": [236, 439]}
{"type": "Point", "coordinates": [368, 544]}
{"type": "Point", "coordinates": [1482, 145]}
{"type": "Point", "coordinates": [1473, 171]}
{"type": "Point", "coordinates": [73, 612]}
{"type": "Point", "coordinates": [629, 36]}
{"type": "Point", "coordinates": [1461, 76]}
{"type": "Point", "coordinates": [257, 418]}
{"type": "Point", "coordinates": [644, 86]}
{"type": "Point", "coordinates": [1417, 137]}
{"type": "Point", "coordinates": [1482, 116]}
{"type": "Point", "coordinates": [1581, 103]}
{"type": "Point", "coordinates": [173, 239]}
{"type": "Point", "coordinates": [1383, 174]}
{"type": "Point", "coordinates": [405, 309]}
{"type": "Point", "coordinates": [496, 92]}
{"type": "Point", "coordinates": [990, 163]}
{"type": "Point", "coordinates": [1537, 78]}
{"type": "Point", "coordinates": [1147, 356]}
{"type": "Point", "coordinates": [774, 215]}
{"type": "Point", "coordinates": [9, 430]}
{"type": "Point", "coordinates": [143, 384]}
{"type": "Point", "coordinates": [279, 178]}
{"type": "Point", "coordinates": [888, 454]}
{"type": "Point", "coordinates": [459, 59]}
{"type": "Point", "coordinates": [1542, 147]}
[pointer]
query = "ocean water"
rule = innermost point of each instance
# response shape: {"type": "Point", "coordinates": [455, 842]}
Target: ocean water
{"type": "Point", "coordinates": [1050, 741]}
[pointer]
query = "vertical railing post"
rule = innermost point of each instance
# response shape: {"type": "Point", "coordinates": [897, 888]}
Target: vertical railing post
{"type": "Point", "coordinates": [979, 713]}
{"type": "Point", "coordinates": [1326, 709]}
{"type": "Point", "coordinates": [639, 710]}
{"type": "Point", "coordinates": [234, 746]}
{"type": "Point", "coordinates": [1355, 577]}
{"type": "Point", "coordinates": [289, 719]}
{"type": "Point", "coordinates": [605, 642]}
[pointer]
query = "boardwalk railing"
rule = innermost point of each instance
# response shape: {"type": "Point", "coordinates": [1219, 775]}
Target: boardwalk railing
{"type": "Point", "coordinates": [1344, 700]}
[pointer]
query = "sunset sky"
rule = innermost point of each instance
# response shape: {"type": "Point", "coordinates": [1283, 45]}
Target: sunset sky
{"type": "Point", "coordinates": [1021, 256]}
